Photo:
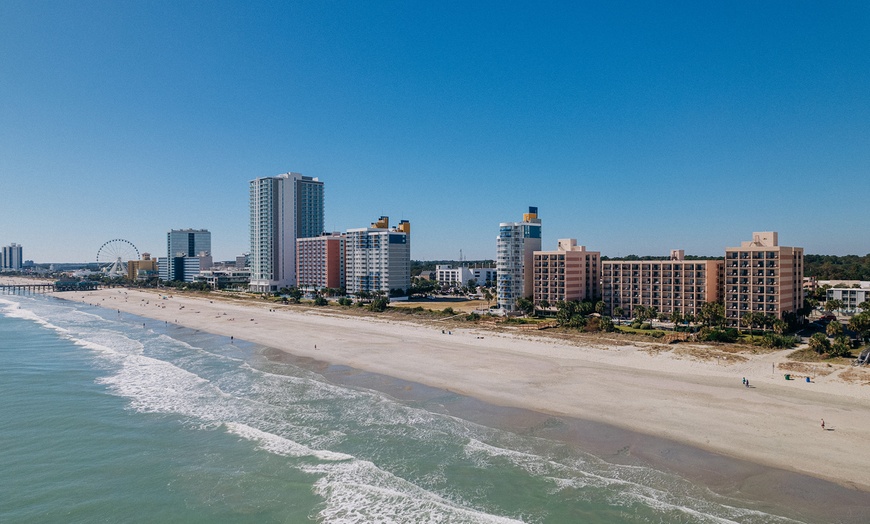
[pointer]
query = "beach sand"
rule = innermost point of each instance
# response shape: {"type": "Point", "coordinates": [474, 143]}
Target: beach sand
{"type": "Point", "coordinates": [702, 404]}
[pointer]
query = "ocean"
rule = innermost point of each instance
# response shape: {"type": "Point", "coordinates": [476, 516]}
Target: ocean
{"type": "Point", "coordinates": [103, 419]}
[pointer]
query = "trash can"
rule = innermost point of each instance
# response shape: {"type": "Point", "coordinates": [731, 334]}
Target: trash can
{"type": "Point", "coordinates": [787, 376]}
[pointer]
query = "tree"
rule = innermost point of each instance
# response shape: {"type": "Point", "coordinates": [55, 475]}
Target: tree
{"type": "Point", "coordinates": [833, 305]}
{"type": "Point", "coordinates": [618, 311]}
{"type": "Point", "coordinates": [712, 314]}
{"type": "Point", "coordinates": [526, 306]}
{"type": "Point", "coordinates": [834, 328]}
{"type": "Point", "coordinates": [599, 307]}
{"type": "Point", "coordinates": [676, 317]}
{"type": "Point", "coordinates": [379, 304]}
{"type": "Point", "coordinates": [487, 295]}
{"type": "Point", "coordinates": [544, 304]}
{"type": "Point", "coordinates": [860, 323]}
{"type": "Point", "coordinates": [841, 347]}
{"type": "Point", "coordinates": [568, 314]}
{"type": "Point", "coordinates": [864, 306]}
{"type": "Point", "coordinates": [320, 301]}
{"type": "Point", "coordinates": [640, 313]}
{"type": "Point", "coordinates": [780, 326]}
{"type": "Point", "coordinates": [606, 324]}
{"type": "Point", "coordinates": [819, 343]}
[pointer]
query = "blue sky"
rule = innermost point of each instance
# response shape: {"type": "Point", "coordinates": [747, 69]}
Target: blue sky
{"type": "Point", "coordinates": [635, 127]}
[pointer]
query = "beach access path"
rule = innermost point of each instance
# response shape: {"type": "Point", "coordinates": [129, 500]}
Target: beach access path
{"type": "Point", "coordinates": [701, 403]}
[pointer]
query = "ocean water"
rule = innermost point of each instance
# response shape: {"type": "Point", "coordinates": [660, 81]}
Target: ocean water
{"type": "Point", "coordinates": [104, 420]}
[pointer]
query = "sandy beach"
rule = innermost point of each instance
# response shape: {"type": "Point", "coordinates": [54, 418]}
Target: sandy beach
{"type": "Point", "coordinates": [703, 404]}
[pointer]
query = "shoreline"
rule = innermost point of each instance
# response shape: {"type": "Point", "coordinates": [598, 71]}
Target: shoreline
{"type": "Point", "coordinates": [691, 403]}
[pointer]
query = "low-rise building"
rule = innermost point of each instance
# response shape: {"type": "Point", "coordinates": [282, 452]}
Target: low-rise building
{"type": "Point", "coordinates": [850, 297]}
{"type": "Point", "coordinates": [225, 278]}
{"type": "Point", "coordinates": [447, 275]}
{"type": "Point", "coordinates": [139, 270]}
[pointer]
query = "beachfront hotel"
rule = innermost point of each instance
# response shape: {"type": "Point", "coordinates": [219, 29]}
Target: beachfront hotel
{"type": "Point", "coordinates": [188, 251]}
{"type": "Point", "coordinates": [762, 277]}
{"type": "Point", "coordinates": [516, 244]}
{"type": "Point", "coordinates": [670, 285]}
{"type": "Point", "coordinates": [569, 273]}
{"type": "Point", "coordinates": [320, 262]}
{"type": "Point", "coordinates": [282, 209]}
{"type": "Point", "coordinates": [378, 258]}
{"type": "Point", "coordinates": [12, 257]}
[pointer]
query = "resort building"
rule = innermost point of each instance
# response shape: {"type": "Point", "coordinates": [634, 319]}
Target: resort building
{"type": "Point", "coordinates": [142, 269]}
{"type": "Point", "coordinates": [762, 277]}
{"type": "Point", "coordinates": [282, 209]}
{"type": "Point", "coordinates": [320, 262]}
{"type": "Point", "coordinates": [567, 274]}
{"type": "Point", "coordinates": [183, 269]}
{"type": "Point", "coordinates": [516, 244]}
{"type": "Point", "coordinates": [379, 258]}
{"type": "Point", "coordinates": [225, 278]}
{"type": "Point", "coordinates": [670, 285]}
{"type": "Point", "coordinates": [12, 257]}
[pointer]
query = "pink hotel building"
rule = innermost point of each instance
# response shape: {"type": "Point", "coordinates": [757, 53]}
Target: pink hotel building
{"type": "Point", "coordinates": [759, 276]}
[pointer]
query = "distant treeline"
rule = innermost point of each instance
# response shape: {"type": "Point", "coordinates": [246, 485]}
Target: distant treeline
{"type": "Point", "coordinates": [832, 267]}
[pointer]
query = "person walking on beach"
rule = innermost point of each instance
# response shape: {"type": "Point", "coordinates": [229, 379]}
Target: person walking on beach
{"type": "Point", "coordinates": [823, 423]}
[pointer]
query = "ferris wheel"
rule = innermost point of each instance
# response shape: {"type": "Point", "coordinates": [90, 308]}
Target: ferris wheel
{"type": "Point", "coordinates": [114, 255]}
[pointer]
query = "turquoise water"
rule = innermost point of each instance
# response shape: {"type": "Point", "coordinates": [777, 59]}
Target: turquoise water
{"type": "Point", "coordinates": [103, 419]}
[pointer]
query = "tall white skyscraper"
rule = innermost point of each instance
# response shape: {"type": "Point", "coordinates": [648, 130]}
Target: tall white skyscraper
{"type": "Point", "coordinates": [283, 208]}
{"type": "Point", "coordinates": [516, 246]}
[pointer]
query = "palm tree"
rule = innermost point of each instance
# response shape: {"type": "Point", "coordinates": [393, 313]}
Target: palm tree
{"type": "Point", "coordinates": [676, 317]}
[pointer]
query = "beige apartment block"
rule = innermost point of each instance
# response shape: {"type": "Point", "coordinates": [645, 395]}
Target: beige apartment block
{"type": "Point", "coordinates": [763, 277]}
{"type": "Point", "coordinates": [667, 285]}
{"type": "Point", "coordinates": [569, 273]}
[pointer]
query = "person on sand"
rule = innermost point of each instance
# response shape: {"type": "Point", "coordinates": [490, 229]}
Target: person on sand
{"type": "Point", "coordinates": [823, 423]}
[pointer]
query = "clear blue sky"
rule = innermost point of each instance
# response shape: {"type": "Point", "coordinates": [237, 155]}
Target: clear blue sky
{"type": "Point", "coordinates": [635, 127]}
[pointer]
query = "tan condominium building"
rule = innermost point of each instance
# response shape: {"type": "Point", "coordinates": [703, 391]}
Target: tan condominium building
{"type": "Point", "coordinates": [763, 277]}
{"type": "Point", "coordinates": [569, 273]}
{"type": "Point", "coordinates": [666, 285]}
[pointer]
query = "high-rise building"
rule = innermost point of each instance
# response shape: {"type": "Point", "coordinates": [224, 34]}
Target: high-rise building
{"type": "Point", "coordinates": [187, 252]}
{"type": "Point", "coordinates": [569, 273]}
{"type": "Point", "coordinates": [670, 285]}
{"type": "Point", "coordinates": [516, 244]}
{"type": "Point", "coordinates": [12, 257]}
{"type": "Point", "coordinates": [378, 258]}
{"type": "Point", "coordinates": [320, 262]}
{"type": "Point", "coordinates": [763, 277]}
{"type": "Point", "coordinates": [283, 208]}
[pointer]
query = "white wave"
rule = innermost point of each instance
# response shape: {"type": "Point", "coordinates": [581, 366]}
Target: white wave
{"type": "Point", "coordinates": [13, 309]}
{"type": "Point", "coordinates": [282, 446]}
{"type": "Point", "coordinates": [359, 492]}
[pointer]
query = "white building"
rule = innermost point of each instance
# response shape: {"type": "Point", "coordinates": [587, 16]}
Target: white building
{"type": "Point", "coordinates": [12, 257]}
{"type": "Point", "coordinates": [851, 297]}
{"type": "Point", "coordinates": [485, 276]}
{"type": "Point", "coordinates": [447, 275]}
{"type": "Point", "coordinates": [282, 209]}
{"type": "Point", "coordinates": [516, 244]}
{"type": "Point", "coordinates": [378, 258]}
{"type": "Point", "coordinates": [225, 278]}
